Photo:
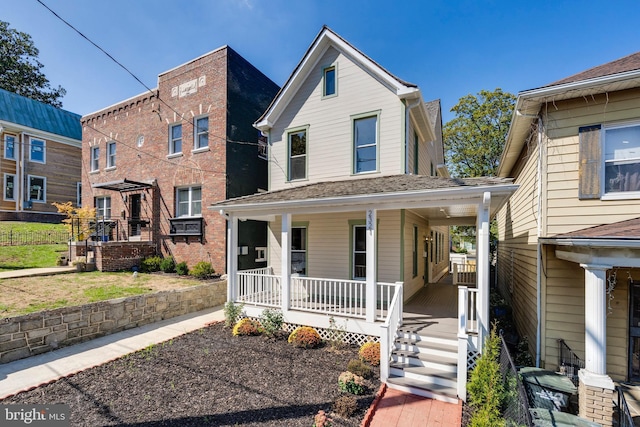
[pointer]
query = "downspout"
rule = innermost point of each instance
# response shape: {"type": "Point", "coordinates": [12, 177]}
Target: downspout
{"type": "Point", "coordinates": [539, 250]}
{"type": "Point", "coordinates": [407, 110]}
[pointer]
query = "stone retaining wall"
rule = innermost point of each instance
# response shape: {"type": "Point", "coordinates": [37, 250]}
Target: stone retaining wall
{"type": "Point", "coordinates": [36, 333]}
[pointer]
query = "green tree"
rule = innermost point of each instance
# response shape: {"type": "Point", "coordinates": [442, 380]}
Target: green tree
{"type": "Point", "coordinates": [20, 70]}
{"type": "Point", "coordinates": [474, 139]}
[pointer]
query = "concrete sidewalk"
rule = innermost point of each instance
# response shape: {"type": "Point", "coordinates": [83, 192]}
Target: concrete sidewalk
{"type": "Point", "coordinates": [25, 374]}
{"type": "Point", "coordinates": [45, 271]}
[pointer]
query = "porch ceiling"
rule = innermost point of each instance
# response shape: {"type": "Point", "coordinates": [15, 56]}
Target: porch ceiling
{"type": "Point", "coordinates": [444, 200]}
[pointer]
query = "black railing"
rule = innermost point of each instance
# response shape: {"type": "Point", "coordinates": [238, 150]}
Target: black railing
{"type": "Point", "coordinates": [516, 405]}
{"type": "Point", "coordinates": [21, 238]}
{"type": "Point", "coordinates": [568, 362]}
{"type": "Point", "coordinates": [623, 415]}
{"type": "Point", "coordinates": [102, 229]}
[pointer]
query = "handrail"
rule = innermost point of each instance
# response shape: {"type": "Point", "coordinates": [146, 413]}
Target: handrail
{"type": "Point", "coordinates": [389, 330]}
{"type": "Point", "coordinates": [624, 414]}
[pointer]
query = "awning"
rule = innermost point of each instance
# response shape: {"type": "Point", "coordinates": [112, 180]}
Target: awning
{"type": "Point", "coordinates": [124, 185]}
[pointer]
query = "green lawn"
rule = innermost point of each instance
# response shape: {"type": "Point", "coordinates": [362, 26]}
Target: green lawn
{"type": "Point", "coordinates": [17, 226]}
{"type": "Point", "coordinates": [30, 256]}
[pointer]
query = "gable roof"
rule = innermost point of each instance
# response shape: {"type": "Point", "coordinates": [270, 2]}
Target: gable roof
{"type": "Point", "coordinates": [621, 74]}
{"type": "Point", "coordinates": [623, 230]}
{"type": "Point", "coordinates": [33, 114]}
{"type": "Point", "coordinates": [326, 38]}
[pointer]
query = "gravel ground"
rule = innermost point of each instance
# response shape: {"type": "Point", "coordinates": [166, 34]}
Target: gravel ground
{"type": "Point", "coordinates": [207, 378]}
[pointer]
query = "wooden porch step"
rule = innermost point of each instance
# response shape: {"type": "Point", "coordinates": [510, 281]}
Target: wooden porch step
{"type": "Point", "coordinates": [435, 337]}
{"type": "Point", "coordinates": [432, 391]}
{"type": "Point", "coordinates": [427, 348]}
{"type": "Point", "coordinates": [425, 374]}
{"type": "Point", "coordinates": [447, 364]}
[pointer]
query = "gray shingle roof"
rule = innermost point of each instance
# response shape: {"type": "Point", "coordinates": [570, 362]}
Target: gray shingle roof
{"type": "Point", "coordinates": [628, 63]}
{"type": "Point", "coordinates": [363, 186]}
{"type": "Point", "coordinates": [38, 115]}
{"type": "Point", "coordinates": [629, 229]}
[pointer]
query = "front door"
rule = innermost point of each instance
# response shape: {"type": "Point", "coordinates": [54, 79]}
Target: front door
{"type": "Point", "coordinates": [135, 208]}
{"type": "Point", "coordinates": [634, 331]}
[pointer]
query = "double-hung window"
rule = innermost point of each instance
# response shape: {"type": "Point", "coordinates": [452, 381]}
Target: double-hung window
{"type": "Point", "coordinates": [622, 159]}
{"type": "Point", "coordinates": [299, 250]}
{"type": "Point", "coordinates": [365, 144]}
{"type": "Point", "coordinates": [175, 139]}
{"type": "Point", "coordinates": [103, 207]}
{"type": "Point", "coordinates": [10, 147]}
{"type": "Point", "coordinates": [111, 155]}
{"type": "Point", "coordinates": [37, 188]}
{"type": "Point", "coordinates": [359, 255]}
{"type": "Point", "coordinates": [9, 186]}
{"type": "Point", "coordinates": [329, 81]}
{"type": "Point", "coordinates": [95, 159]}
{"type": "Point", "coordinates": [189, 201]}
{"type": "Point", "coordinates": [297, 147]}
{"type": "Point", "coordinates": [37, 150]}
{"type": "Point", "coordinates": [201, 133]}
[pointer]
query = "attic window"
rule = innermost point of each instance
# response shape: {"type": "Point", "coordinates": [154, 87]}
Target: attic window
{"type": "Point", "coordinates": [329, 88]}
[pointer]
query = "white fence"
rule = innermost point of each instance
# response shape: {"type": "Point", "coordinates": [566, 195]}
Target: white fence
{"type": "Point", "coordinates": [259, 287]}
{"type": "Point", "coordinates": [389, 331]}
{"type": "Point", "coordinates": [464, 274]}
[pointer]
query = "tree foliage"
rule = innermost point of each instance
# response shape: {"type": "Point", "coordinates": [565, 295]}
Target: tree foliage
{"type": "Point", "coordinates": [20, 69]}
{"type": "Point", "coordinates": [474, 139]}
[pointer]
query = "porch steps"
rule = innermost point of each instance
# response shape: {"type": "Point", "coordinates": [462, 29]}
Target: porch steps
{"type": "Point", "coordinates": [425, 364]}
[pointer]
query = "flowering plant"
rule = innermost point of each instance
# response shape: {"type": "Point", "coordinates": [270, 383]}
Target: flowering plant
{"type": "Point", "coordinates": [322, 420]}
{"type": "Point", "coordinates": [305, 337]}
{"type": "Point", "coordinates": [370, 352]}
{"type": "Point", "coordinates": [247, 326]}
{"type": "Point", "coordinates": [351, 383]}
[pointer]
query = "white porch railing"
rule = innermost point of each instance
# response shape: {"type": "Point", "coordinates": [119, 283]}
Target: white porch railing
{"type": "Point", "coordinates": [464, 274]}
{"type": "Point", "coordinates": [389, 330]}
{"type": "Point", "coordinates": [467, 327]}
{"type": "Point", "coordinates": [259, 287]}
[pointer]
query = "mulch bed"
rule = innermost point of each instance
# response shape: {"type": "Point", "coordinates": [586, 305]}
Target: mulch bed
{"type": "Point", "coordinates": [207, 378]}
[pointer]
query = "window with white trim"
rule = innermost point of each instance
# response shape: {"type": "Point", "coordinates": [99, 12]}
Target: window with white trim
{"type": "Point", "coordinates": [9, 147]}
{"type": "Point", "coordinates": [95, 159]}
{"type": "Point", "coordinates": [37, 150]}
{"type": "Point", "coordinates": [622, 159]}
{"type": "Point", "coordinates": [189, 201]}
{"type": "Point", "coordinates": [297, 142]}
{"type": "Point", "coordinates": [103, 207]}
{"type": "Point", "coordinates": [37, 188]}
{"type": "Point", "coordinates": [359, 256]}
{"type": "Point", "coordinates": [111, 154]}
{"type": "Point", "coordinates": [175, 138]}
{"type": "Point", "coordinates": [9, 186]}
{"type": "Point", "coordinates": [299, 250]}
{"type": "Point", "coordinates": [329, 81]}
{"type": "Point", "coordinates": [365, 144]}
{"type": "Point", "coordinates": [201, 133]}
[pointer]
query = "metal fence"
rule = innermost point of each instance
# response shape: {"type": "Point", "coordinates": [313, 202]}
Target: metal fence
{"type": "Point", "coordinates": [568, 362]}
{"type": "Point", "coordinates": [516, 405]}
{"type": "Point", "coordinates": [623, 414]}
{"type": "Point", "coordinates": [22, 238]}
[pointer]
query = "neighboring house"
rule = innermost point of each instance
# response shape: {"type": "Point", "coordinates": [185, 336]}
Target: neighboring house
{"type": "Point", "coordinates": [151, 162]}
{"type": "Point", "coordinates": [40, 161]}
{"type": "Point", "coordinates": [359, 200]}
{"type": "Point", "coordinates": [569, 245]}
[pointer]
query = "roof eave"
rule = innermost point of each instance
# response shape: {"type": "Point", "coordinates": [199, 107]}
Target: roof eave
{"type": "Point", "coordinates": [592, 243]}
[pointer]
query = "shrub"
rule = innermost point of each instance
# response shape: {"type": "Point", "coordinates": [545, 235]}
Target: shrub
{"type": "Point", "coordinates": [168, 264]}
{"type": "Point", "coordinates": [202, 270]}
{"type": "Point", "coordinates": [305, 337]}
{"type": "Point", "coordinates": [247, 326]}
{"type": "Point", "coordinates": [231, 313]}
{"type": "Point", "coordinates": [336, 334]}
{"type": "Point", "coordinates": [351, 383]}
{"type": "Point", "coordinates": [182, 268]}
{"type": "Point", "coordinates": [345, 406]}
{"type": "Point", "coordinates": [358, 367]}
{"type": "Point", "coordinates": [370, 352]}
{"type": "Point", "coordinates": [322, 420]}
{"type": "Point", "coordinates": [271, 321]}
{"type": "Point", "coordinates": [150, 264]}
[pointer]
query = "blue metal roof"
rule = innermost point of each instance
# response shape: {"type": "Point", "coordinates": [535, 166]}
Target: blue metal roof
{"type": "Point", "coordinates": [38, 115]}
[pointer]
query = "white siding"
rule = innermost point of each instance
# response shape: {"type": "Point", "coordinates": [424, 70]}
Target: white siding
{"type": "Point", "coordinates": [329, 139]}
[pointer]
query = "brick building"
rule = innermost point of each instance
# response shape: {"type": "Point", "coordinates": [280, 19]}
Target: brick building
{"type": "Point", "coordinates": [151, 164]}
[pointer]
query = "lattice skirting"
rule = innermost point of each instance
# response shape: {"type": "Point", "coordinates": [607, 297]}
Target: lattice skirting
{"type": "Point", "coordinates": [472, 360]}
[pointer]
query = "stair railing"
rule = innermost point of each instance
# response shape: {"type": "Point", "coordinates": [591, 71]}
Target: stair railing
{"type": "Point", "coordinates": [389, 330]}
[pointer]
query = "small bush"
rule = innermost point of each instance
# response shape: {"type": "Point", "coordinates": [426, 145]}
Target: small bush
{"type": "Point", "coordinates": [305, 337]}
{"type": "Point", "coordinates": [182, 268]}
{"type": "Point", "coordinates": [202, 270]}
{"type": "Point", "coordinates": [322, 420]}
{"type": "Point", "coordinates": [168, 265]}
{"type": "Point", "coordinates": [358, 367]}
{"type": "Point", "coordinates": [370, 352]}
{"type": "Point", "coordinates": [231, 313]}
{"type": "Point", "coordinates": [247, 326]}
{"type": "Point", "coordinates": [150, 264]}
{"type": "Point", "coordinates": [345, 406]}
{"type": "Point", "coordinates": [351, 383]}
{"type": "Point", "coordinates": [271, 321]}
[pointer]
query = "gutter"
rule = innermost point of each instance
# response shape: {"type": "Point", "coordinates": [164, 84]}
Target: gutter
{"type": "Point", "coordinates": [593, 243]}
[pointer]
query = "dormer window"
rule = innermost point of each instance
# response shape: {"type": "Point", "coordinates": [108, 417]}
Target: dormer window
{"type": "Point", "coordinates": [329, 81]}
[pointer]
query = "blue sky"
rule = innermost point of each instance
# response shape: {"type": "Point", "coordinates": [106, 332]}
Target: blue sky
{"type": "Point", "coordinates": [449, 48]}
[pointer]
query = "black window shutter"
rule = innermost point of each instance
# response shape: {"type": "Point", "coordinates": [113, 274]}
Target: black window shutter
{"type": "Point", "coordinates": [590, 154]}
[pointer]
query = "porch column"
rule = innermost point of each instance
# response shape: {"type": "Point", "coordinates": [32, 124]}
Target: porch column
{"type": "Point", "coordinates": [482, 268]}
{"type": "Point", "coordinates": [372, 257]}
{"type": "Point", "coordinates": [595, 399]}
{"type": "Point", "coordinates": [232, 258]}
{"type": "Point", "coordinates": [285, 242]}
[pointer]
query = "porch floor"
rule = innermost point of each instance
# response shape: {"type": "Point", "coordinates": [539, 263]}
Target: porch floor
{"type": "Point", "coordinates": [433, 309]}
